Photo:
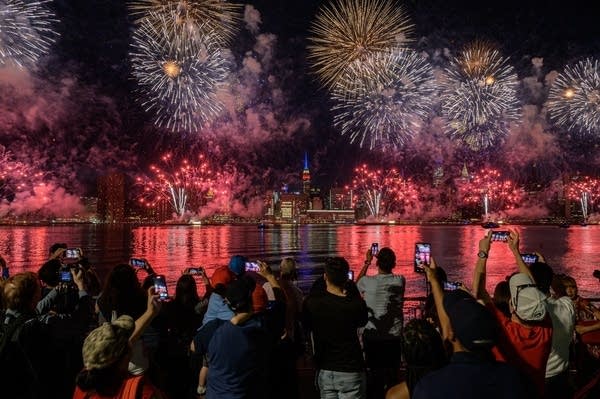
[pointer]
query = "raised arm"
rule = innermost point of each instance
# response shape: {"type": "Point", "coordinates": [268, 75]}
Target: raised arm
{"type": "Point", "coordinates": [513, 244]}
{"type": "Point", "coordinates": [479, 274]}
{"type": "Point", "coordinates": [438, 298]}
{"type": "Point", "coordinates": [368, 260]}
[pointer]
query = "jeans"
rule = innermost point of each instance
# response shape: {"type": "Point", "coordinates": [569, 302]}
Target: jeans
{"type": "Point", "coordinates": [341, 385]}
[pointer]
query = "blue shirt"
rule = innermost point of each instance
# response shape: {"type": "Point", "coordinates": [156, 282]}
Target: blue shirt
{"type": "Point", "coordinates": [217, 309]}
{"type": "Point", "coordinates": [468, 377]}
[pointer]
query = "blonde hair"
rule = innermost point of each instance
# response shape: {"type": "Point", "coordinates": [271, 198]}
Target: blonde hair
{"type": "Point", "coordinates": [20, 290]}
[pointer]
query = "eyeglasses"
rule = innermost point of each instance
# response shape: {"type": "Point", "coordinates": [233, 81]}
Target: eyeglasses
{"type": "Point", "coordinates": [519, 289]}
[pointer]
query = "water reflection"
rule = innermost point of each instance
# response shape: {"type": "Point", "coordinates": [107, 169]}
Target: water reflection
{"type": "Point", "coordinates": [170, 249]}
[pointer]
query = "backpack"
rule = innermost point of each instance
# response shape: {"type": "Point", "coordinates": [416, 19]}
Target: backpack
{"type": "Point", "coordinates": [15, 364]}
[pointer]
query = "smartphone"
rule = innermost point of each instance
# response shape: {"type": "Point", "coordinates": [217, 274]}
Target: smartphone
{"type": "Point", "coordinates": [452, 286]}
{"type": "Point", "coordinates": [529, 258]}
{"type": "Point", "coordinates": [160, 287]}
{"type": "Point", "coordinates": [72, 253]}
{"type": "Point", "coordinates": [351, 275]}
{"type": "Point", "coordinates": [65, 275]}
{"type": "Point", "coordinates": [195, 271]}
{"type": "Point", "coordinates": [374, 249]}
{"type": "Point", "coordinates": [137, 263]}
{"type": "Point", "coordinates": [422, 256]}
{"type": "Point", "coordinates": [252, 267]}
{"type": "Point", "coordinates": [500, 235]}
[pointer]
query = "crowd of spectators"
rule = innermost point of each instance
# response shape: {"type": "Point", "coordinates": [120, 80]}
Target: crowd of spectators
{"type": "Point", "coordinates": [64, 334]}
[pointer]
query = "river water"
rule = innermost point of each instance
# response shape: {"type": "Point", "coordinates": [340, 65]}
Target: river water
{"type": "Point", "coordinates": [170, 249]}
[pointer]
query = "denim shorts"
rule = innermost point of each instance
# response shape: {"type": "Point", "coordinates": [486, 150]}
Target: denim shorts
{"type": "Point", "coordinates": [341, 385]}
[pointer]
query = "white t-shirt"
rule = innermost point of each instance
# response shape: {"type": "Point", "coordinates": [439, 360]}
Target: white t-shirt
{"type": "Point", "coordinates": [384, 295]}
{"type": "Point", "coordinates": [562, 313]}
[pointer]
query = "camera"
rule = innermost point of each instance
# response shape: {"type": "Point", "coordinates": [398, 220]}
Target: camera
{"type": "Point", "coordinates": [422, 256]}
{"type": "Point", "coordinates": [252, 267]}
{"type": "Point", "coordinates": [529, 258]}
{"type": "Point", "coordinates": [64, 275]}
{"type": "Point", "coordinates": [374, 249]}
{"type": "Point", "coordinates": [160, 287]}
{"type": "Point", "coordinates": [195, 271]}
{"type": "Point", "coordinates": [137, 263]}
{"type": "Point", "coordinates": [500, 235]}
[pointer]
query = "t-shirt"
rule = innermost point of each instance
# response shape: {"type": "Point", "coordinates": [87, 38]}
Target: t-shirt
{"type": "Point", "coordinates": [527, 348]}
{"type": "Point", "coordinates": [334, 321]}
{"type": "Point", "coordinates": [217, 309]}
{"type": "Point", "coordinates": [562, 313]}
{"type": "Point", "coordinates": [384, 295]}
{"type": "Point", "coordinates": [467, 377]}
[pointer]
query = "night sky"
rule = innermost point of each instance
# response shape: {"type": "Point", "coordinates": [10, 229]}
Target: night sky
{"type": "Point", "coordinates": [76, 116]}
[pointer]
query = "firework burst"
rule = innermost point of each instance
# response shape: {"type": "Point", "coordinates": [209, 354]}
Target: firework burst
{"type": "Point", "coordinates": [185, 186]}
{"type": "Point", "coordinates": [383, 191]}
{"type": "Point", "coordinates": [178, 74]}
{"type": "Point", "coordinates": [346, 31]}
{"type": "Point", "coordinates": [574, 98]}
{"type": "Point", "coordinates": [215, 17]}
{"type": "Point", "coordinates": [26, 32]}
{"type": "Point", "coordinates": [494, 192]}
{"type": "Point", "coordinates": [479, 100]}
{"type": "Point", "coordinates": [385, 100]}
{"type": "Point", "coordinates": [586, 191]}
{"type": "Point", "coordinates": [16, 176]}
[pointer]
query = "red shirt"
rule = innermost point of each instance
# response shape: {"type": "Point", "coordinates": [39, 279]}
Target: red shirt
{"type": "Point", "coordinates": [526, 348]}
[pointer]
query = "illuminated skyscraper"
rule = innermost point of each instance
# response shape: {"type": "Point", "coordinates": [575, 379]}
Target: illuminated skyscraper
{"type": "Point", "coordinates": [111, 198]}
{"type": "Point", "coordinates": [306, 176]}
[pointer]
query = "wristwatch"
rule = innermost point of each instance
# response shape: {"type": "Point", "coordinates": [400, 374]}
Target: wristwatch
{"type": "Point", "coordinates": [482, 254]}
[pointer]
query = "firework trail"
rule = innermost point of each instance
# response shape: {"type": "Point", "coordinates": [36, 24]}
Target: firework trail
{"type": "Point", "coordinates": [585, 190]}
{"type": "Point", "coordinates": [178, 74]}
{"type": "Point", "coordinates": [26, 32]}
{"type": "Point", "coordinates": [479, 98]}
{"type": "Point", "coordinates": [382, 191]}
{"type": "Point", "coordinates": [346, 31]}
{"type": "Point", "coordinates": [385, 100]}
{"type": "Point", "coordinates": [185, 186]}
{"type": "Point", "coordinates": [219, 18]}
{"type": "Point", "coordinates": [574, 98]}
{"type": "Point", "coordinates": [494, 192]}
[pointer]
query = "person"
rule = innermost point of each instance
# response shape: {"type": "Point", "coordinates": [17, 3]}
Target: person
{"type": "Point", "coordinates": [333, 316]}
{"type": "Point", "coordinates": [562, 314]}
{"type": "Point", "coordinates": [471, 330]}
{"type": "Point", "coordinates": [239, 351]}
{"type": "Point", "coordinates": [423, 352]}
{"type": "Point", "coordinates": [382, 336]}
{"type": "Point", "coordinates": [106, 353]}
{"type": "Point", "coordinates": [525, 339]}
{"type": "Point", "coordinates": [501, 297]}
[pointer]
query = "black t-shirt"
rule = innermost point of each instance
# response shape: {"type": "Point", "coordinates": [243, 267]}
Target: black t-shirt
{"type": "Point", "coordinates": [334, 321]}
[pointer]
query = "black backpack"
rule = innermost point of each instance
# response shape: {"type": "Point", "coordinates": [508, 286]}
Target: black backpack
{"type": "Point", "coordinates": [15, 367]}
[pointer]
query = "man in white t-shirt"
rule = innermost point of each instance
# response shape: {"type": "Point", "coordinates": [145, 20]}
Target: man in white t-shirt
{"type": "Point", "coordinates": [384, 294]}
{"type": "Point", "coordinates": [562, 313]}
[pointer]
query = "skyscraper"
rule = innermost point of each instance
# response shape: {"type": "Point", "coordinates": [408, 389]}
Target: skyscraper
{"type": "Point", "coordinates": [306, 176]}
{"type": "Point", "coordinates": [111, 198]}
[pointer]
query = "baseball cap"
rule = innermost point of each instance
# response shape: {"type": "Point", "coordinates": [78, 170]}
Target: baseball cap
{"type": "Point", "coordinates": [472, 323]}
{"type": "Point", "coordinates": [529, 302]}
{"type": "Point", "coordinates": [222, 276]}
{"type": "Point", "coordinates": [237, 264]}
{"type": "Point", "coordinates": [106, 344]}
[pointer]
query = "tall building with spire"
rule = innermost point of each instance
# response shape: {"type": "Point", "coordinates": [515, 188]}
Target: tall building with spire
{"type": "Point", "coordinates": [306, 175]}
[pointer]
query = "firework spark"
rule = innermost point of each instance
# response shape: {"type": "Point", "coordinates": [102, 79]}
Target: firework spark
{"type": "Point", "coordinates": [185, 186]}
{"type": "Point", "coordinates": [586, 190]}
{"type": "Point", "coordinates": [493, 191]}
{"type": "Point", "coordinates": [178, 74]}
{"type": "Point", "coordinates": [346, 31]}
{"type": "Point", "coordinates": [26, 32]}
{"type": "Point", "coordinates": [382, 191]}
{"type": "Point", "coordinates": [480, 96]}
{"type": "Point", "coordinates": [574, 98]}
{"type": "Point", "coordinates": [385, 100]}
{"type": "Point", "coordinates": [216, 17]}
{"type": "Point", "coordinates": [16, 176]}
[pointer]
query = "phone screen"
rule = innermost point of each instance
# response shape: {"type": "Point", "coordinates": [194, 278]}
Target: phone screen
{"type": "Point", "coordinates": [529, 258]}
{"type": "Point", "coordinates": [72, 253]}
{"type": "Point", "coordinates": [351, 275]}
{"type": "Point", "coordinates": [374, 248]}
{"type": "Point", "coordinates": [160, 287]}
{"type": "Point", "coordinates": [422, 256]}
{"type": "Point", "coordinates": [139, 263]}
{"type": "Point", "coordinates": [451, 286]}
{"type": "Point", "coordinates": [500, 236]}
{"type": "Point", "coordinates": [65, 276]}
{"type": "Point", "coordinates": [195, 271]}
{"type": "Point", "coordinates": [252, 267]}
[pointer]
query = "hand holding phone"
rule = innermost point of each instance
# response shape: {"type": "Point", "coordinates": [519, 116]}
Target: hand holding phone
{"type": "Point", "coordinates": [160, 287]}
{"type": "Point", "coordinates": [195, 271]}
{"type": "Point", "coordinates": [71, 255]}
{"type": "Point", "coordinates": [529, 258]}
{"type": "Point", "coordinates": [452, 286]}
{"type": "Point", "coordinates": [137, 263]}
{"type": "Point", "coordinates": [252, 267]}
{"type": "Point", "coordinates": [422, 256]}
